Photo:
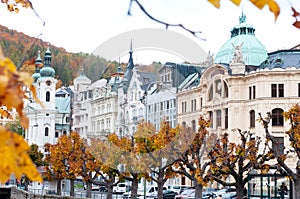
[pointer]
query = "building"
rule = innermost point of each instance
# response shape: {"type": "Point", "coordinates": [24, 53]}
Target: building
{"type": "Point", "coordinates": [81, 107]}
{"type": "Point", "coordinates": [162, 101]}
{"type": "Point", "coordinates": [131, 109]}
{"type": "Point", "coordinates": [47, 122]}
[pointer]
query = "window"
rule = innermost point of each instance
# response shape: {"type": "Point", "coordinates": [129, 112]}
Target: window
{"type": "Point", "coordinates": [252, 92]}
{"type": "Point", "coordinates": [46, 131]}
{"type": "Point", "coordinates": [277, 90]}
{"type": "Point", "coordinates": [218, 86]}
{"type": "Point", "coordinates": [194, 125]}
{"type": "Point", "coordinates": [211, 94]}
{"type": "Point", "coordinates": [278, 145]}
{"type": "Point", "coordinates": [65, 132]}
{"type": "Point", "coordinates": [184, 124]}
{"type": "Point", "coordinates": [225, 90]}
{"type": "Point", "coordinates": [211, 117]}
{"type": "Point", "coordinates": [183, 108]}
{"type": "Point", "coordinates": [277, 117]}
{"type": "Point", "coordinates": [48, 96]}
{"type": "Point", "coordinates": [193, 105]}
{"type": "Point", "coordinates": [252, 118]}
{"type": "Point", "coordinates": [48, 83]}
{"type": "Point", "coordinates": [67, 119]}
{"type": "Point", "coordinates": [56, 134]}
{"type": "Point", "coordinates": [201, 103]}
{"type": "Point", "coordinates": [226, 118]}
{"type": "Point", "coordinates": [298, 89]}
{"type": "Point", "coordinates": [219, 118]}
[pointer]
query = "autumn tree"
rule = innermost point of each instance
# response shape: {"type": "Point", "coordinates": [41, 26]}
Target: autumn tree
{"type": "Point", "coordinates": [131, 162]}
{"type": "Point", "coordinates": [159, 151]}
{"type": "Point", "coordinates": [193, 162]}
{"type": "Point", "coordinates": [56, 161]}
{"type": "Point", "coordinates": [235, 160]}
{"type": "Point", "coordinates": [81, 162]}
{"type": "Point", "coordinates": [291, 151]}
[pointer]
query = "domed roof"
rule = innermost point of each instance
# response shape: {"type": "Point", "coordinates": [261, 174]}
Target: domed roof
{"type": "Point", "coordinates": [47, 71]}
{"type": "Point", "coordinates": [253, 51]}
{"type": "Point", "coordinates": [35, 76]}
{"type": "Point", "coordinates": [82, 77]}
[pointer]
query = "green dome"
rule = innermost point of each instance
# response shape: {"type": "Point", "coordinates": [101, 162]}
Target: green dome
{"type": "Point", "coordinates": [47, 71]}
{"type": "Point", "coordinates": [253, 51]}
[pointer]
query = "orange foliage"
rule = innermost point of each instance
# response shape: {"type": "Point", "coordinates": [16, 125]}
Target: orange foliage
{"type": "Point", "coordinates": [13, 148]}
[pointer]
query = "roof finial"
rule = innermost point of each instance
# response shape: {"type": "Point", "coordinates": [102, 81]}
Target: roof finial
{"type": "Point", "coordinates": [242, 17]}
{"type": "Point", "coordinates": [130, 46]}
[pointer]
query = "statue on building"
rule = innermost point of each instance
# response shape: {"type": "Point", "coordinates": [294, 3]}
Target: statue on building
{"type": "Point", "coordinates": [237, 57]}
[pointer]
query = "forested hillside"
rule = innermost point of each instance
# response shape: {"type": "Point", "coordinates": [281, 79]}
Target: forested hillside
{"type": "Point", "coordinates": [23, 49]}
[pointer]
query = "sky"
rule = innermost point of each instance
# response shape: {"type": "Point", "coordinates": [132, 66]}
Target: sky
{"type": "Point", "coordinates": [81, 26]}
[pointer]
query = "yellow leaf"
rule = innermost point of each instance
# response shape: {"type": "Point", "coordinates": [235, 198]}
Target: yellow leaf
{"type": "Point", "coordinates": [216, 3]}
{"type": "Point", "coordinates": [236, 2]}
{"type": "Point", "coordinates": [273, 6]}
{"type": "Point", "coordinates": [14, 157]}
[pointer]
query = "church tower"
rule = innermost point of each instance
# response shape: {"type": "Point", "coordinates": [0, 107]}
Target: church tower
{"type": "Point", "coordinates": [42, 118]}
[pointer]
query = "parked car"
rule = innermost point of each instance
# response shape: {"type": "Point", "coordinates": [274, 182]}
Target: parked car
{"type": "Point", "coordinates": [229, 195]}
{"type": "Point", "coordinates": [168, 194]}
{"type": "Point", "coordinates": [121, 188]}
{"type": "Point", "coordinates": [178, 188]}
{"type": "Point", "coordinates": [103, 189]}
{"type": "Point", "coordinates": [186, 194]}
{"type": "Point", "coordinates": [94, 187]}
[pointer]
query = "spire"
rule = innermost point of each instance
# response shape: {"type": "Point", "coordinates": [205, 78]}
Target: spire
{"type": "Point", "coordinates": [47, 70]}
{"type": "Point", "coordinates": [242, 18]}
{"type": "Point", "coordinates": [82, 70]}
{"type": "Point", "coordinates": [38, 61]}
{"type": "Point", "coordinates": [38, 64]}
{"type": "Point", "coordinates": [130, 61]}
{"type": "Point", "coordinates": [47, 57]}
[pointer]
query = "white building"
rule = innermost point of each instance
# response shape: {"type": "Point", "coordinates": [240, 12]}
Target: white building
{"type": "Point", "coordinates": [42, 118]}
{"type": "Point", "coordinates": [81, 106]}
{"type": "Point", "coordinates": [131, 109]}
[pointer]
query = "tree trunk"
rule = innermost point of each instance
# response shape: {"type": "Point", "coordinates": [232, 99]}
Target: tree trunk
{"type": "Point", "coordinates": [296, 187]}
{"type": "Point", "coordinates": [58, 187]}
{"type": "Point", "coordinates": [239, 191]}
{"type": "Point", "coordinates": [134, 187]}
{"type": "Point", "coordinates": [72, 191]}
{"type": "Point", "coordinates": [109, 190]}
{"type": "Point", "coordinates": [160, 184]}
{"type": "Point", "coordinates": [88, 189]}
{"type": "Point", "coordinates": [198, 190]}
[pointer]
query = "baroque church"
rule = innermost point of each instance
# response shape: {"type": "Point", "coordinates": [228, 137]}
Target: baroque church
{"type": "Point", "coordinates": [47, 122]}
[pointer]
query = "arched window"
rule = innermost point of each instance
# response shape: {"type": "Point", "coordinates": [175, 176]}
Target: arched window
{"type": "Point", "coordinates": [184, 124]}
{"type": "Point", "coordinates": [194, 125]}
{"type": "Point", "coordinates": [252, 118]}
{"type": "Point", "coordinates": [48, 96]}
{"type": "Point", "coordinates": [225, 94]}
{"type": "Point", "coordinates": [46, 131]}
{"type": "Point", "coordinates": [277, 117]}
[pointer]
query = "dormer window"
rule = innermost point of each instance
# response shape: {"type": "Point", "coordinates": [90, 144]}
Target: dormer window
{"type": "Point", "coordinates": [278, 61]}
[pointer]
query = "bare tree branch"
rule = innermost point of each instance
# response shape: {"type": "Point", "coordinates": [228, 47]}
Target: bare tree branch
{"type": "Point", "coordinates": [167, 25]}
